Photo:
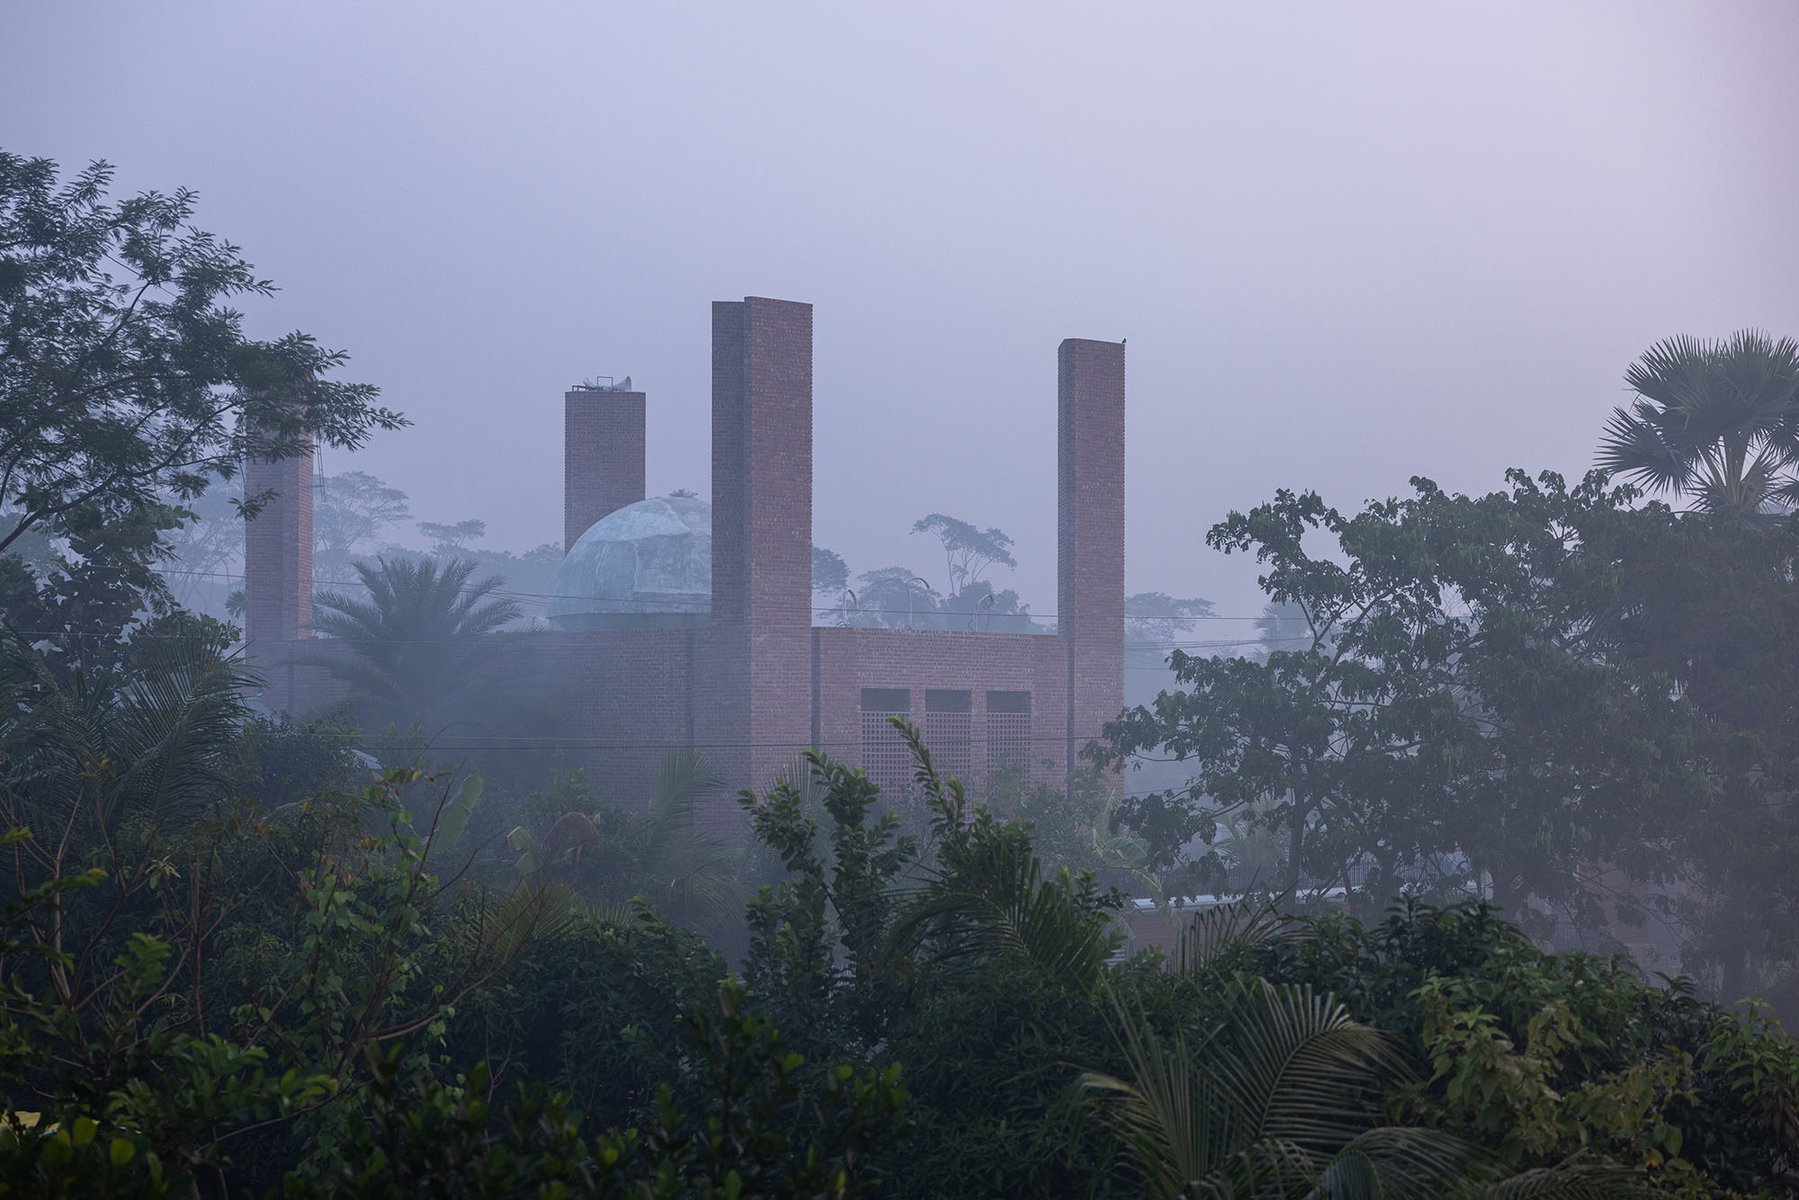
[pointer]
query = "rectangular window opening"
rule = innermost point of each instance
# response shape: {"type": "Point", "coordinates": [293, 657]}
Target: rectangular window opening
{"type": "Point", "coordinates": [884, 753]}
{"type": "Point", "coordinates": [1009, 731]}
{"type": "Point", "coordinates": [949, 730]}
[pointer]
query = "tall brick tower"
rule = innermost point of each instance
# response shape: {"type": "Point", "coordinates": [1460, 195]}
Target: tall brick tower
{"type": "Point", "coordinates": [278, 568]}
{"type": "Point", "coordinates": [602, 456]}
{"type": "Point", "coordinates": [761, 534]}
{"type": "Point", "coordinates": [1090, 532]}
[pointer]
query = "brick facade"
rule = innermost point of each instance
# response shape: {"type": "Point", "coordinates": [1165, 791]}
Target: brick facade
{"type": "Point", "coordinates": [278, 572]}
{"type": "Point", "coordinates": [759, 683]}
{"type": "Point", "coordinates": [760, 714]}
{"type": "Point", "coordinates": [602, 456]}
{"type": "Point", "coordinates": [1090, 532]}
{"type": "Point", "coordinates": [919, 661]}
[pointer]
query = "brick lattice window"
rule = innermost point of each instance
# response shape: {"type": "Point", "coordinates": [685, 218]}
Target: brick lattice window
{"type": "Point", "coordinates": [884, 753]}
{"type": "Point", "coordinates": [949, 731]}
{"type": "Point", "coordinates": [1008, 730]}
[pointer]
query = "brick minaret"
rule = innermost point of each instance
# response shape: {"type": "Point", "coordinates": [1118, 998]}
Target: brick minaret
{"type": "Point", "coordinates": [602, 456]}
{"type": "Point", "coordinates": [1090, 528]}
{"type": "Point", "coordinates": [761, 533]}
{"type": "Point", "coordinates": [278, 552]}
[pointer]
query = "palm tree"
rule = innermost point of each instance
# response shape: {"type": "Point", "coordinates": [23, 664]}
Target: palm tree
{"type": "Point", "coordinates": [989, 894]}
{"type": "Point", "coordinates": [689, 875]}
{"type": "Point", "coordinates": [99, 772]}
{"type": "Point", "coordinates": [85, 755]}
{"type": "Point", "coordinates": [1714, 420]}
{"type": "Point", "coordinates": [421, 648]}
{"type": "Point", "coordinates": [1283, 1099]}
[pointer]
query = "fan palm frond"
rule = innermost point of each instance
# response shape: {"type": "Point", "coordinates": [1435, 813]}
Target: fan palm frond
{"type": "Point", "coordinates": [1714, 420]}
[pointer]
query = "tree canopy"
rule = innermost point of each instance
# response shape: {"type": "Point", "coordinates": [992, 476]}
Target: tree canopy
{"type": "Point", "coordinates": [126, 374]}
{"type": "Point", "coordinates": [968, 550]}
{"type": "Point", "coordinates": [1450, 715]}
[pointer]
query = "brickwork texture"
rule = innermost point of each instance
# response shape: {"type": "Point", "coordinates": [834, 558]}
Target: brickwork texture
{"type": "Point", "coordinates": [759, 684]}
{"type": "Point", "coordinates": [602, 456]}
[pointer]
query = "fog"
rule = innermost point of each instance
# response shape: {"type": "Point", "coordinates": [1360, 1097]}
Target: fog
{"type": "Point", "coordinates": [432, 831]}
{"type": "Point", "coordinates": [1345, 245]}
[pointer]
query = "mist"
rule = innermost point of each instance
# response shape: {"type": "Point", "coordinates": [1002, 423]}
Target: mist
{"type": "Point", "coordinates": [936, 600]}
{"type": "Point", "coordinates": [1346, 247]}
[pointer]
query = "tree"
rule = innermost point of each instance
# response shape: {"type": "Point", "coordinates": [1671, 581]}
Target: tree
{"type": "Point", "coordinates": [151, 747]}
{"type": "Point", "coordinates": [1451, 720]}
{"type": "Point", "coordinates": [1716, 421]}
{"type": "Point", "coordinates": [968, 550]}
{"type": "Point", "coordinates": [452, 540]}
{"type": "Point", "coordinates": [349, 512]}
{"type": "Point", "coordinates": [1706, 600]}
{"type": "Point", "coordinates": [894, 597]}
{"type": "Point", "coordinates": [421, 648]}
{"type": "Point", "coordinates": [204, 546]}
{"type": "Point", "coordinates": [1155, 617]}
{"type": "Point", "coordinates": [830, 574]}
{"type": "Point", "coordinates": [125, 375]}
{"type": "Point", "coordinates": [95, 591]}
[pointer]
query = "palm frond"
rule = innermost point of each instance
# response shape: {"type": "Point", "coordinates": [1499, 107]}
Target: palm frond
{"type": "Point", "coordinates": [1217, 932]}
{"type": "Point", "coordinates": [1282, 1100]}
{"type": "Point", "coordinates": [691, 871]}
{"type": "Point", "coordinates": [1713, 419]}
{"type": "Point", "coordinates": [1299, 1067]}
{"type": "Point", "coordinates": [422, 645]}
{"type": "Point", "coordinates": [173, 727]}
{"type": "Point", "coordinates": [994, 901]}
{"type": "Point", "coordinates": [1170, 1117]}
{"type": "Point", "coordinates": [1573, 1180]}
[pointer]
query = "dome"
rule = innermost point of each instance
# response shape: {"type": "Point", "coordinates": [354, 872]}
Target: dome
{"type": "Point", "coordinates": [646, 566]}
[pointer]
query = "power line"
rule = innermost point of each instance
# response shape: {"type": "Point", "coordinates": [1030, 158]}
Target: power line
{"type": "Point", "coordinates": [500, 742]}
{"type": "Point", "coordinates": [526, 633]}
{"type": "Point", "coordinates": [514, 594]}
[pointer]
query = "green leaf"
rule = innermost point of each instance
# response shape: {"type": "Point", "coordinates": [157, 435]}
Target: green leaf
{"type": "Point", "coordinates": [456, 813]}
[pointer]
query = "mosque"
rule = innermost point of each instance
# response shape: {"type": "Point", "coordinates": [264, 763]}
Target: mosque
{"type": "Point", "coordinates": [677, 624]}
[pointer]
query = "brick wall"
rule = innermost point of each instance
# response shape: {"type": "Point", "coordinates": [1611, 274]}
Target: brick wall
{"type": "Point", "coordinates": [918, 661]}
{"type": "Point", "coordinates": [602, 457]}
{"type": "Point", "coordinates": [621, 699]}
{"type": "Point", "coordinates": [624, 699]}
{"type": "Point", "coordinates": [759, 685]}
{"type": "Point", "coordinates": [760, 708]}
{"type": "Point", "coordinates": [1090, 531]}
{"type": "Point", "coordinates": [278, 570]}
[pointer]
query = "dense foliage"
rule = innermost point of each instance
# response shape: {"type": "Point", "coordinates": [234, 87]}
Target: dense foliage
{"type": "Point", "coordinates": [241, 957]}
{"type": "Point", "coordinates": [301, 998]}
{"type": "Point", "coordinates": [1569, 703]}
{"type": "Point", "coordinates": [128, 387]}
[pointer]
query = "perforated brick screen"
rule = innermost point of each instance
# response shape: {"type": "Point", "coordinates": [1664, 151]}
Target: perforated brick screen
{"type": "Point", "coordinates": [884, 753]}
{"type": "Point", "coordinates": [1008, 730]}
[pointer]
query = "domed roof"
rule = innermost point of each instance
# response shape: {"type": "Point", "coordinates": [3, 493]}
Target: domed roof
{"type": "Point", "coordinates": [645, 566]}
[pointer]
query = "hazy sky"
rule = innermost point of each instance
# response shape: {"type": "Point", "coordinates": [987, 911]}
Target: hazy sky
{"type": "Point", "coordinates": [1348, 244]}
